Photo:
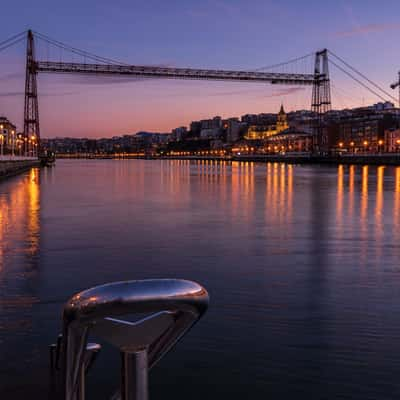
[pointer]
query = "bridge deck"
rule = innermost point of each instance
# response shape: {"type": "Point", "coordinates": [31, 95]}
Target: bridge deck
{"type": "Point", "coordinates": [175, 73]}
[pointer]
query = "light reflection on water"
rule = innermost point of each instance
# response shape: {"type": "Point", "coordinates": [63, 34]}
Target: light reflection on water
{"type": "Point", "coordinates": [301, 263]}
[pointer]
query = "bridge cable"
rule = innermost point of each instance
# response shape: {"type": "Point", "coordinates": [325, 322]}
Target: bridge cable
{"type": "Point", "coordinates": [362, 75]}
{"type": "Point", "coordinates": [357, 80]}
{"type": "Point", "coordinates": [284, 63]}
{"type": "Point", "coordinates": [11, 44]}
{"type": "Point", "coordinates": [12, 38]}
{"type": "Point", "coordinates": [12, 41]}
{"type": "Point", "coordinates": [75, 50]}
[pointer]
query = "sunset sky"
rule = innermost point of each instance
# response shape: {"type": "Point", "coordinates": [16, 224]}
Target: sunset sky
{"type": "Point", "coordinates": [223, 34]}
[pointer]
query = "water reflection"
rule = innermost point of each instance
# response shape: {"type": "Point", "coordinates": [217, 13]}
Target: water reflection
{"type": "Point", "coordinates": [379, 204]}
{"type": "Point", "coordinates": [339, 197]}
{"type": "Point", "coordinates": [304, 258]}
{"type": "Point", "coordinates": [351, 192]}
{"type": "Point", "coordinates": [19, 248]}
{"type": "Point", "coordinates": [19, 219]}
{"type": "Point", "coordinates": [396, 204]}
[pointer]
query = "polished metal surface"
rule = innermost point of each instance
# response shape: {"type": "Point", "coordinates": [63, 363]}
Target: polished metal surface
{"type": "Point", "coordinates": [134, 375]}
{"type": "Point", "coordinates": [174, 305]}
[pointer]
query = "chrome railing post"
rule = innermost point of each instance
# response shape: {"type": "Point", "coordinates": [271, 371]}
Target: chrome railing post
{"type": "Point", "coordinates": [174, 307]}
{"type": "Point", "coordinates": [92, 351]}
{"type": "Point", "coordinates": [134, 375]}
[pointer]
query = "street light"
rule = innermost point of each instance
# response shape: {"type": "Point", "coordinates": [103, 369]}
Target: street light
{"type": "Point", "coordinates": [33, 138]}
{"type": "Point", "coordinates": [2, 144]}
{"type": "Point", "coordinates": [380, 143]}
{"type": "Point", "coordinates": [12, 142]}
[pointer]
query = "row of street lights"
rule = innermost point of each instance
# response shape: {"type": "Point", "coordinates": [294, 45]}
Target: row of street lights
{"type": "Point", "coordinates": [28, 145]}
{"type": "Point", "coordinates": [366, 144]}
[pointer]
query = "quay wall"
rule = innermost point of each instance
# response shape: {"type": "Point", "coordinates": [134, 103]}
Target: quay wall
{"type": "Point", "coordinates": [10, 168]}
{"type": "Point", "coordinates": [377, 159]}
{"type": "Point", "coordinates": [362, 159]}
{"type": "Point", "coordinates": [383, 159]}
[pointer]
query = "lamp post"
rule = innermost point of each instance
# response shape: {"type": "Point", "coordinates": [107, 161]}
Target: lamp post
{"type": "Point", "coordinates": [2, 139]}
{"type": "Point", "coordinates": [19, 144]}
{"type": "Point", "coordinates": [33, 138]}
{"type": "Point", "coordinates": [365, 145]}
{"type": "Point", "coordinates": [380, 143]}
{"type": "Point", "coordinates": [12, 142]}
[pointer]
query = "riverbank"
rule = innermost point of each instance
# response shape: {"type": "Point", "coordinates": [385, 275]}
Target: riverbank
{"type": "Point", "coordinates": [12, 167]}
{"type": "Point", "coordinates": [365, 159]}
{"type": "Point", "coordinates": [362, 159]}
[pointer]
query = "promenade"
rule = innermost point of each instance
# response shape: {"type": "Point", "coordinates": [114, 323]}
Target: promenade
{"type": "Point", "coordinates": [13, 165]}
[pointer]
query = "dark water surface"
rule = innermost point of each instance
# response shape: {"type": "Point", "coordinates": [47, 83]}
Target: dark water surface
{"type": "Point", "coordinates": [301, 262]}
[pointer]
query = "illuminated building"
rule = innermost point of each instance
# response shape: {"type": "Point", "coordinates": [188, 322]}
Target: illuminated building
{"type": "Point", "coordinates": [290, 140]}
{"type": "Point", "coordinates": [257, 132]}
{"type": "Point", "coordinates": [362, 132]}
{"type": "Point", "coordinates": [281, 123]}
{"type": "Point", "coordinates": [8, 131]}
{"type": "Point", "coordinates": [392, 140]}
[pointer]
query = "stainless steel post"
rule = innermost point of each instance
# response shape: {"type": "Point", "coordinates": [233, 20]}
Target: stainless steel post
{"type": "Point", "coordinates": [171, 306]}
{"type": "Point", "coordinates": [134, 375]}
{"type": "Point", "coordinates": [92, 351]}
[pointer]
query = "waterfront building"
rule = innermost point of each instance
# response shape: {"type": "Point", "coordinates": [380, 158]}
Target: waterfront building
{"type": "Point", "coordinates": [258, 132]}
{"type": "Point", "coordinates": [214, 123]}
{"type": "Point", "coordinates": [195, 128]}
{"type": "Point", "coordinates": [250, 119]}
{"type": "Point", "coordinates": [8, 135]}
{"type": "Point", "coordinates": [259, 119]}
{"type": "Point", "coordinates": [362, 132]}
{"type": "Point", "coordinates": [179, 134]}
{"type": "Point", "coordinates": [281, 123]}
{"type": "Point", "coordinates": [387, 105]}
{"type": "Point", "coordinates": [210, 133]}
{"type": "Point", "coordinates": [290, 140]}
{"type": "Point", "coordinates": [392, 140]}
{"type": "Point", "coordinates": [233, 127]}
{"type": "Point", "coordinates": [264, 131]}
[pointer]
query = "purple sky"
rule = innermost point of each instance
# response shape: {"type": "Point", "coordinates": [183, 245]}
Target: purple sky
{"type": "Point", "coordinates": [231, 34]}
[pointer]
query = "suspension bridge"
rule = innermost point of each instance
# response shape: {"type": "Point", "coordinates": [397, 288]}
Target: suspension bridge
{"type": "Point", "coordinates": [318, 78]}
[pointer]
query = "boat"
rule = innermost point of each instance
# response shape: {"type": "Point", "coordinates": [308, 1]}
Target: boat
{"type": "Point", "coordinates": [47, 159]}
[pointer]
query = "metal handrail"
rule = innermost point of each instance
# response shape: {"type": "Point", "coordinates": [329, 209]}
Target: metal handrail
{"type": "Point", "coordinates": [174, 305]}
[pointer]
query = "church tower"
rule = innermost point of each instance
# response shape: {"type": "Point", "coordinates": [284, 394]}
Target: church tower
{"type": "Point", "coordinates": [281, 123]}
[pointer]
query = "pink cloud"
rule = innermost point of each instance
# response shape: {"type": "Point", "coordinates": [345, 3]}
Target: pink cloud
{"type": "Point", "coordinates": [370, 28]}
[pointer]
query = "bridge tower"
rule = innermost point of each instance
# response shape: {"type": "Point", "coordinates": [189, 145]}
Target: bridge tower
{"type": "Point", "coordinates": [321, 95]}
{"type": "Point", "coordinates": [31, 110]}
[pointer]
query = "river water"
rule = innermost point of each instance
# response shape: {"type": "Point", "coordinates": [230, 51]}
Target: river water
{"type": "Point", "coordinates": [301, 263]}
